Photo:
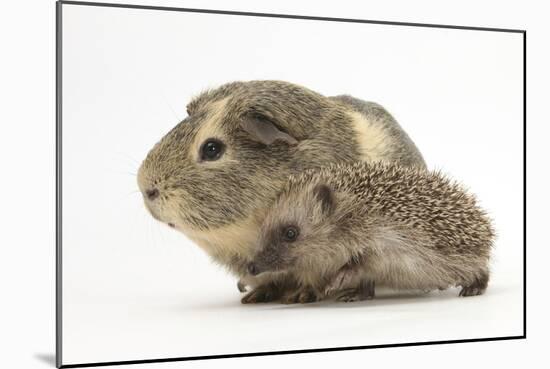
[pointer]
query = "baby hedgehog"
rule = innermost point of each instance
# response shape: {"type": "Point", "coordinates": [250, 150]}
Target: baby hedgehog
{"type": "Point", "coordinates": [341, 229]}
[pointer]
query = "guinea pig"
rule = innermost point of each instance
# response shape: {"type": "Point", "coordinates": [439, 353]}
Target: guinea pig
{"type": "Point", "coordinates": [342, 229]}
{"type": "Point", "coordinates": [216, 173]}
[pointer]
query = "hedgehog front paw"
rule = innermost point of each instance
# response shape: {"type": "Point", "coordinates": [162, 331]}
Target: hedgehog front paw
{"type": "Point", "coordinates": [302, 296]}
{"type": "Point", "coordinates": [241, 286]}
{"type": "Point", "coordinates": [265, 293]}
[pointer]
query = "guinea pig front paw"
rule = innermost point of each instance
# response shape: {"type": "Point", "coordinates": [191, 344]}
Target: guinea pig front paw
{"type": "Point", "coordinates": [302, 296]}
{"type": "Point", "coordinates": [265, 293]}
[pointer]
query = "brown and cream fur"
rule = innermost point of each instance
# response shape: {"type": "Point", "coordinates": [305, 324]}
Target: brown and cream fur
{"type": "Point", "coordinates": [270, 129]}
{"type": "Point", "coordinates": [364, 224]}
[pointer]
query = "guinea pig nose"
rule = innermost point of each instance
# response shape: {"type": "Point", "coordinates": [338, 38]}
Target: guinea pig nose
{"type": "Point", "coordinates": [152, 193]}
{"type": "Point", "coordinates": [253, 269]}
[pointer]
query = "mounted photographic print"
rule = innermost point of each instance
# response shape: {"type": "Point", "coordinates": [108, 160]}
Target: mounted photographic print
{"type": "Point", "coordinates": [236, 184]}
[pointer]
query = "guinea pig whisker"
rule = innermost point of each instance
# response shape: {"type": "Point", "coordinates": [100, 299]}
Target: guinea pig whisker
{"type": "Point", "coordinates": [153, 228]}
{"type": "Point", "coordinates": [134, 161]}
{"type": "Point", "coordinates": [159, 231]}
{"type": "Point", "coordinates": [170, 106]}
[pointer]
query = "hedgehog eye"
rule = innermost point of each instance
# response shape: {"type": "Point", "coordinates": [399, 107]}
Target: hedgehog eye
{"type": "Point", "coordinates": [290, 234]}
{"type": "Point", "coordinates": [212, 149]}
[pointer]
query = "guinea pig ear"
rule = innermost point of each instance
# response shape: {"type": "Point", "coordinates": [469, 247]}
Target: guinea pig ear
{"type": "Point", "coordinates": [324, 195]}
{"type": "Point", "coordinates": [263, 130]}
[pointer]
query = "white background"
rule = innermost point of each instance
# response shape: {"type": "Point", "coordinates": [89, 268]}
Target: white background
{"type": "Point", "coordinates": [28, 186]}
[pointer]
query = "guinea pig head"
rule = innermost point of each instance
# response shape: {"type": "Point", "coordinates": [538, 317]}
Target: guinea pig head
{"type": "Point", "coordinates": [227, 159]}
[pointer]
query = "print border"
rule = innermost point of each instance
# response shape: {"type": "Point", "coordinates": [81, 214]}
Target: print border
{"type": "Point", "coordinates": [59, 110]}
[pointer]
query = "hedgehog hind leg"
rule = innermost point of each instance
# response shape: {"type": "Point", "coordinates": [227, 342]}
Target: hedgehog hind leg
{"type": "Point", "coordinates": [477, 287]}
{"type": "Point", "coordinates": [365, 291]}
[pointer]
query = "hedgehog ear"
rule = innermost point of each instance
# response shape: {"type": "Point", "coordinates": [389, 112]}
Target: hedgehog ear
{"type": "Point", "coordinates": [263, 130]}
{"type": "Point", "coordinates": [324, 195]}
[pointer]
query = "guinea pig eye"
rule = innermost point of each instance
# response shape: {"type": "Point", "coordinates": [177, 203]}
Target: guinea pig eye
{"type": "Point", "coordinates": [290, 234]}
{"type": "Point", "coordinates": [212, 149]}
